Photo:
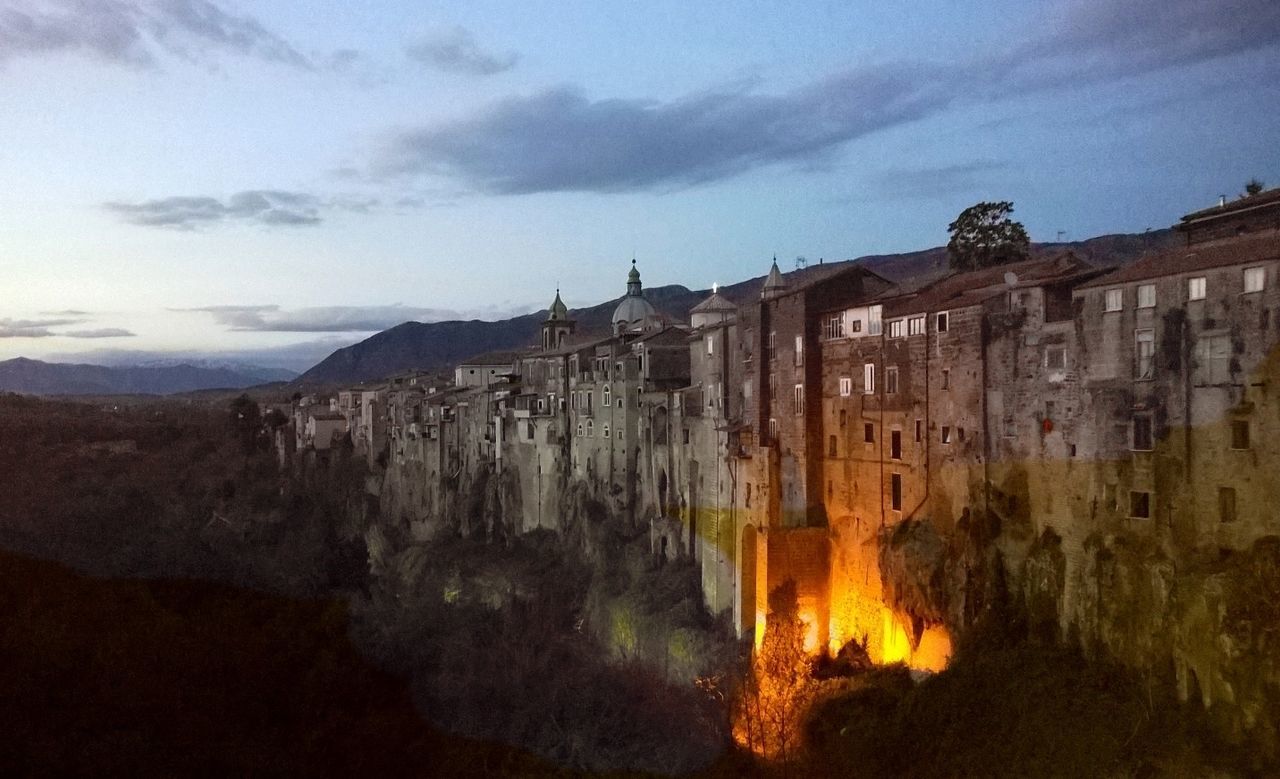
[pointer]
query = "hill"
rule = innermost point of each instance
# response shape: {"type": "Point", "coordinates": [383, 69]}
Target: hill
{"type": "Point", "coordinates": [438, 346]}
{"type": "Point", "coordinates": [34, 377]}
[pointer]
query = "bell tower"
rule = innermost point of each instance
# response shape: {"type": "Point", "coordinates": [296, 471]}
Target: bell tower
{"type": "Point", "coordinates": [558, 326]}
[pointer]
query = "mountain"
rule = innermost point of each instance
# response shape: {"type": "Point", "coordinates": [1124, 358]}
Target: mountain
{"type": "Point", "coordinates": [45, 378]}
{"type": "Point", "coordinates": [438, 346]}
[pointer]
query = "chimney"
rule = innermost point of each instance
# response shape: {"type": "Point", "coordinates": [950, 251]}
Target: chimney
{"type": "Point", "coordinates": [1222, 200]}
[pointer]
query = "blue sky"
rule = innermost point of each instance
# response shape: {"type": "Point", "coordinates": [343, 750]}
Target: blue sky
{"type": "Point", "coordinates": [273, 180]}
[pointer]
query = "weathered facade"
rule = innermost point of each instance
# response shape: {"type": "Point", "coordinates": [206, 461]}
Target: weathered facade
{"type": "Point", "coordinates": [1095, 447]}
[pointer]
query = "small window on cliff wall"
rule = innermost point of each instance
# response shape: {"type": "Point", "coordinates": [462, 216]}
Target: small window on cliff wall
{"type": "Point", "coordinates": [942, 322]}
{"type": "Point", "coordinates": [1143, 440]}
{"type": "Point", "coordinates": [1255, 279]}
{"type": "Point", "coordinates": [1196, 288]}
{"type": "Point", "coordinates": [946, 434]}
{"type": "Point", "coordinates": [1239, 434]}
{"type": "Point", "coordinates": [831, 446]}
{"type": "Point", "coordinates": [1227, 504]}
{"type": "Point", "coordinates": [846, 386]}
{"type": "Point", "coordinates": [1140, 505]}
{"type": "Point", "coordinates": [869, 433]}
{"type": "Point", "coordinates": [895, 495]}
{"type": "Point", "coordinates": [1113, 300]}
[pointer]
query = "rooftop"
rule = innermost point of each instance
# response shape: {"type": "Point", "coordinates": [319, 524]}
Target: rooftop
{"type": "Point", "coordinates": [1237, 250]}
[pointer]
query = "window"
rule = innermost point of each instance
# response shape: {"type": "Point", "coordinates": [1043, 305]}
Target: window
{"type": "Point", "coordinates": [799, 399]}
{"type": "Point", "coordinates": [607, 399]}
{"type": "Point", "coordinates": [619, 434]}
{"type": "Point", "coordinates": [579, 429]}
{"type": "Point", "coordinates": [868, 433]}
{"type": "Point", "coordinates": [946, 378]}
{"type": "Point", "coordinates": [874, 324]}
{"type": "Point", "coordinates": [891, 380]}
{"type": "Point", "coordinates": [1114, 300]}
{"type": "Point", "coordinates": [942, 320]}
{"type": "Point", "coordinates": [773, 429]}
{"type": "Point", "coordinates": [606, 430]}
{"type": "Point", "coordinates": [834, 327]}
{"type": "Point", "coordinates": [831, 446]}
{"type": "Point", "coordinates": [855, 326]}
{"type": "Point", "coordinates": [1227, 504]}
{"type": "Point", "coordinates": [711, 344]}
{"type": "Point", "coordinates": [542, 405]}
{"type": "Point", "coordinates": [946, 434]}
{"type": "Point", "coordinates": [773, 345]}
{"type": "Point", "coordinates": [528, 431]}
{"type": "Point", "coordinates": [1255, 279]}
{"type": "Point", "coordinates": [842, 418]}
{"type": "Point", "coordinates": [1144, 349]}
{"type": "Point", "coordinates": [1055, 358]}
{"type": "Point", "coordinates": [1146, 296]}
{"type": "Point", "coordinates": [590, 429]}
{"type": "Point", "coordinates": [1017, 300]}
{"type": "Point", "coordinates": [1213, 359]}
{"type": "Point", "coordinates": [895, 444]}
{"type": "Point", "coordinates": [799, 350]}
{"type": "Point", "coordinates": [895, 492]}
{"type": "Point", "coordinates": [895, 328]}
{"type": "Point", "coordinates": [1239, 434]}
{"type": "Point", "coordinates": [846, 386]}
{"type": "Point", "coordinates": [1143, 439]}
{"type": "Point", "coordinates": [685, 433]}
{"type": "Point", "coordinates": [1196, 288]}
{"type": "Point", "coordinates": [1139, 504]}
{"type": "Point", "coordinates": [869, 378]}
{"type": "Point", "coordinates": [915, 325]}
{"type": "Point", "coordinates": [919, 430]}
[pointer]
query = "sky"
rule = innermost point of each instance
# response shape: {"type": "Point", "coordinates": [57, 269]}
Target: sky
{"type": "Point", "coordinates": [269, 181]}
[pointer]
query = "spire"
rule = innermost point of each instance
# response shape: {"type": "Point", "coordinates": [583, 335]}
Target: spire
{"type": "Point", "coordinates": [558, 311]}
{"type": "Point", "coordinates": [774, 284]}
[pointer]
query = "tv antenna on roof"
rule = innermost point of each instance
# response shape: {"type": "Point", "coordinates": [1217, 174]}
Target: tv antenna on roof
{"type": "Point", "coordinates": [1061, 234]}
{"type": "Point", "coordinates": [802, 262]}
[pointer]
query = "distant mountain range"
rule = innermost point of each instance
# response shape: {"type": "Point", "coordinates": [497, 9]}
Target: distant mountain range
{"type": "Point", "coordinates": [34, 377]}
{"type": "Point", "coordinates": [438, 346]}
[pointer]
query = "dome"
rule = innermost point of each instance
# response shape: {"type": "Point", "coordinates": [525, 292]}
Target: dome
{"type": "Point", "coordinates": [558, 312]}
{"type": "Point", "coordinates": [634, 312]}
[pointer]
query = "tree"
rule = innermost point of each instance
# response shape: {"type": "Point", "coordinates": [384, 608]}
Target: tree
{"type": "Point", "coordinates": [1253, 187]}
{"type": "Point", "coordinates": [246, 421]}
{"type": "Point", "coordinates": [984, 236]}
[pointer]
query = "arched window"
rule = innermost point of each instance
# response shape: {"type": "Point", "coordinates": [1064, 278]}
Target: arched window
{"type": "Point", "coordinates": [590, 429]}
{"type": "Point", "coordinates": [606, 395]}
{"type": "Point", "coordinates": [606, 430]}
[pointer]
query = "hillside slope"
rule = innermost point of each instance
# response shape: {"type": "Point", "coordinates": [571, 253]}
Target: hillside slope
{"type": "Point", "coordinates": [34, 377]}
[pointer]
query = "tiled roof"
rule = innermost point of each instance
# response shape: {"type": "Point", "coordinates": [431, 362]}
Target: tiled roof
{"type": "Point", "coordinates": [970, 288]}
{"type": "Point", "coordinates": [1255, 247]}
{"type": "Point", "coordinates": [1269, 197]}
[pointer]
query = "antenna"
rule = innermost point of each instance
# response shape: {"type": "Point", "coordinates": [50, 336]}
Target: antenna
{"type": "Point", "coordinates": [1061, 234]}
{"type": "Point", "coordinates": [801, 262]}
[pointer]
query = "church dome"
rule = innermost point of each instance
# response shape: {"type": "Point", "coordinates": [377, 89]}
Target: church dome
{"type": "Point", "coordinates": [634, 312]}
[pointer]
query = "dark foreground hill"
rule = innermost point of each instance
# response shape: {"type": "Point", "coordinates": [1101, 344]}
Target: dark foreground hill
{"type": "Point", "coordinates": [438, 346]}
{"type": "Point", "coordinates": [180, 678]}
{"type": "Point", "coordinates": [34, 377]}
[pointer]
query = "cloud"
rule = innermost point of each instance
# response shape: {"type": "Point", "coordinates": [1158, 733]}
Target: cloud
{"type": "Point", "coordinates": [934, 182]}
{"type": "Point", "coordinates": [102, 332]}
{"type": "Point", "coordinates": [261, 206]}
{"type": "Point", "coordinates": [457, 52]}
{"type": "Point", "coordinates": [561, 140]}
{"type": "Point", "coordinates": [344, 319]}
{"type": "Point", "coordinates": [32, 328]}
{"type": "Point", "coordinates": [129, 32]}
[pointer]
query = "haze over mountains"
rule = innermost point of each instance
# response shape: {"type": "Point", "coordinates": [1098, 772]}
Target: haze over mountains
{"type": "Point", "coordinates": [35, 377]}
{"type": "Point", "coordinates": [438, 346]}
